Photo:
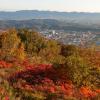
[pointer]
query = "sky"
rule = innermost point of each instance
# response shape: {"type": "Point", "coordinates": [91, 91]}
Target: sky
{"type": "Point", "coordinates": [52, 5]}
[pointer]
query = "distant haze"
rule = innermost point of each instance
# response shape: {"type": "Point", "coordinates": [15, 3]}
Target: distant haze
{"type": "Point", "coordinates": [50, 20]}
{"type": "Point", "coordinates": [35, 14]}
{"type": "Point", "coordinates": [52, 5]}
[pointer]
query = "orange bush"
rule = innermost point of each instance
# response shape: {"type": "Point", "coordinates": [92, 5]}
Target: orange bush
{"type": "Point", "coordinates": [87, 92]}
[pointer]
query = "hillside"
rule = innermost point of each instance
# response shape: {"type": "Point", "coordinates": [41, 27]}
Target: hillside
{"type": "Point", "coordinates": [53, 24]}
{"type": "Point", "coordinates": [73, 21]}
{"type": "Point", "coordinates": [35, 68]}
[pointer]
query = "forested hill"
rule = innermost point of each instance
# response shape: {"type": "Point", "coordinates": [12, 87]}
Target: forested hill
{"type": "Point", "coordinates": [40, 20]}
{"type": "Point", "coordinates": [43, 24]}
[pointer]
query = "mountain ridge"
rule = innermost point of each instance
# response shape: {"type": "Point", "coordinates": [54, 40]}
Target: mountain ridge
{"type": "Point", "coordinates": [36, 14]}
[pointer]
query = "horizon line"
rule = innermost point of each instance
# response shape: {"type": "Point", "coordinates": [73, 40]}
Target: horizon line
{"type": "Point", "coordinates": [49, 11]}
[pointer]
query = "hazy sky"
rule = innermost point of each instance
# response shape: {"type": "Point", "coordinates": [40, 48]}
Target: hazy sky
{"type": "Point", "coordinates": [53, 5]}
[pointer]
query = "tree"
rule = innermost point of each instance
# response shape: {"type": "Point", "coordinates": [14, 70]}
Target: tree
{"type": "Point", "coordinates": [10, 43]}
{"type": "Point", "coordinates": [20, 52]}
{"type": "Point", "coordinates": [32, 41]}
{"type": "Point", "coordinates": [68, 50]}
{"type": "Point", "coordinates": [78, 70]}
{"type": "Point", "coordinates": [51, 50]}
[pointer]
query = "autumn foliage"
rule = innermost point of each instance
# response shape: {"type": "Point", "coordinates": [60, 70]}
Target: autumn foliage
{"type": "Point", "coordinates": [35, 68]}
{"type": "Point", "coordinates": [4, 64]}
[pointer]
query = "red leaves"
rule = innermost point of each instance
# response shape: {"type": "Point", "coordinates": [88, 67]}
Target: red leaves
{"type": "Point", "coordinates": [46, 81]}
{"type": "Point", "coordinates": [6, 98]}
{"type": "Point", "coordinates": [4, 64]}
{"type": "Point", "coordinates": [42, 78]}
{"type": "Point", "coordinates": [68, 89]}
{"type": "Point", "coordinates": [87, 92]}
{"type": "Point", "coordinates": [29, 66]}
{"type": "Point", "coordinates": [97, 91]}
{"type": "Point", "coordinates": [45, 78]}
{"type": "Point", "coordinates": [52, 89]}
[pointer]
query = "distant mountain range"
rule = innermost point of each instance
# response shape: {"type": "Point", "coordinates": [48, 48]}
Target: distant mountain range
{"type": "Point", "coordinates": [50, 19]}
{"type": "Point", "coordinates": [35, 14]}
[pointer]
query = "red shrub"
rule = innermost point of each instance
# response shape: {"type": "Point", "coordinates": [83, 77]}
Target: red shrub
{"type": "Point", "coordinates": [87, 92]}
{"type": "Point", "coordinates": [97, 91]}
{"type": "Point", "coordinates": [4, 64]}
